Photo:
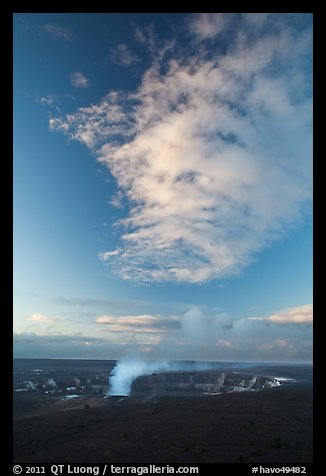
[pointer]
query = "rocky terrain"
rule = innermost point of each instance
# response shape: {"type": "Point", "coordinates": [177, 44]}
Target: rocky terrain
{"type": "Point", "coordinates": [79, 381]}
{"type": "Point", "coordinates": [210, 382]}
{"type": "Point", "coordinates": [220, 416]}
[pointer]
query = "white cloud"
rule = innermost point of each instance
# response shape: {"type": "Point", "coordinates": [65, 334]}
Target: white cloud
{"type": "Point", "coordinates": [201, 333]}
{"type": "Point", "coordinates": [256, 19]}
{"type": "Point", "coordinates": [224, 344]}
{"type": "Point", "coordinates": [292, 315]}
{"type": "Point", "coordinates": [117, 200]}
{"type": "Point", "coordinates": [63, 33]}
{"type": "Point", "coordinates": [213, 155]}
{"type": "Point", "coordinates": [105, 256]}
{"type": "Point", "coordinates": [145, 36]}
{"type": "Point", "coordinates": [46, 100]}
{"type": "Point", "coordinates": [207, 25]}
{"type": "Point", "coordinates": [156, 46]}
{"type": "Point", "coordinates": [278, 345]}
{"type": "Point", "coordinates": [79, 80]}
{"type": "Point", "coordinates": [53, 101]}
{"type": "Point", "coordinates": [122, 55]}
{"type": "Point", "coordinates": [210, 335]}
{"type": "Point", "coordinates": [93, 125]}
{"type": "Point", "coordinates": [42, 318]}
{"type": "Point", "coordinates": [145, 323]}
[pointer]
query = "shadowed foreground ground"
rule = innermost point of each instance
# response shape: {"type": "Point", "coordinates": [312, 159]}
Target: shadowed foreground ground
{"type": "Point", "coordinates": [273, 425]}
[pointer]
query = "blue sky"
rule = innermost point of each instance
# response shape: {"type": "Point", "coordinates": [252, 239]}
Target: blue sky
{"type": "Point", "coordinates": [162, 186]}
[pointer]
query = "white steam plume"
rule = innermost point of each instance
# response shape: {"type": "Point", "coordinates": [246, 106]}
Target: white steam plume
{"type": "Point", "coordinates": [128, 369]}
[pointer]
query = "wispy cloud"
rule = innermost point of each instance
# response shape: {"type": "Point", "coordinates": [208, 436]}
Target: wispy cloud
{"type": "Point", "coordinates": [95, 307]}
{"type": "Point", "coordinates": [63, 33]}
{"type": "Point", "coordinates": [117, 200]}
{"type": "Point", "coordinates": [156, 46]}
{"type": "Point", "coordinates": [213, 154]}
{"type": "Point", "coordinates": [145, 36]}
{"type": "Point", "coordinates": [208, 25]}
{"type": "Point", "coordinates": [31, 344]}
{"type": "Point", "coordinates": [139, 323]}
{"type": "Point", "coordinates": [45, 100]}
{"type": "Point", "coordinates": [256, 19]}
{"type": "Point", "coordinates": [53, 101]}
{"type": "Point", "coordinates": [79, 80]}
{"type": "Point", "coordinates": [276, 345]}
{"type": "Point", "coordinates": [196, 334]}
{"type": "Point", "coordinates": [95, 123]}
{"type": "Point", "coordinates": [122, 55]}
{"type": "Point", "coordinates": [42, 318]}
{"type": "Point", "coordinates": [208, 333]}
{"type": "Point", "coordinates": [293, 315]}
